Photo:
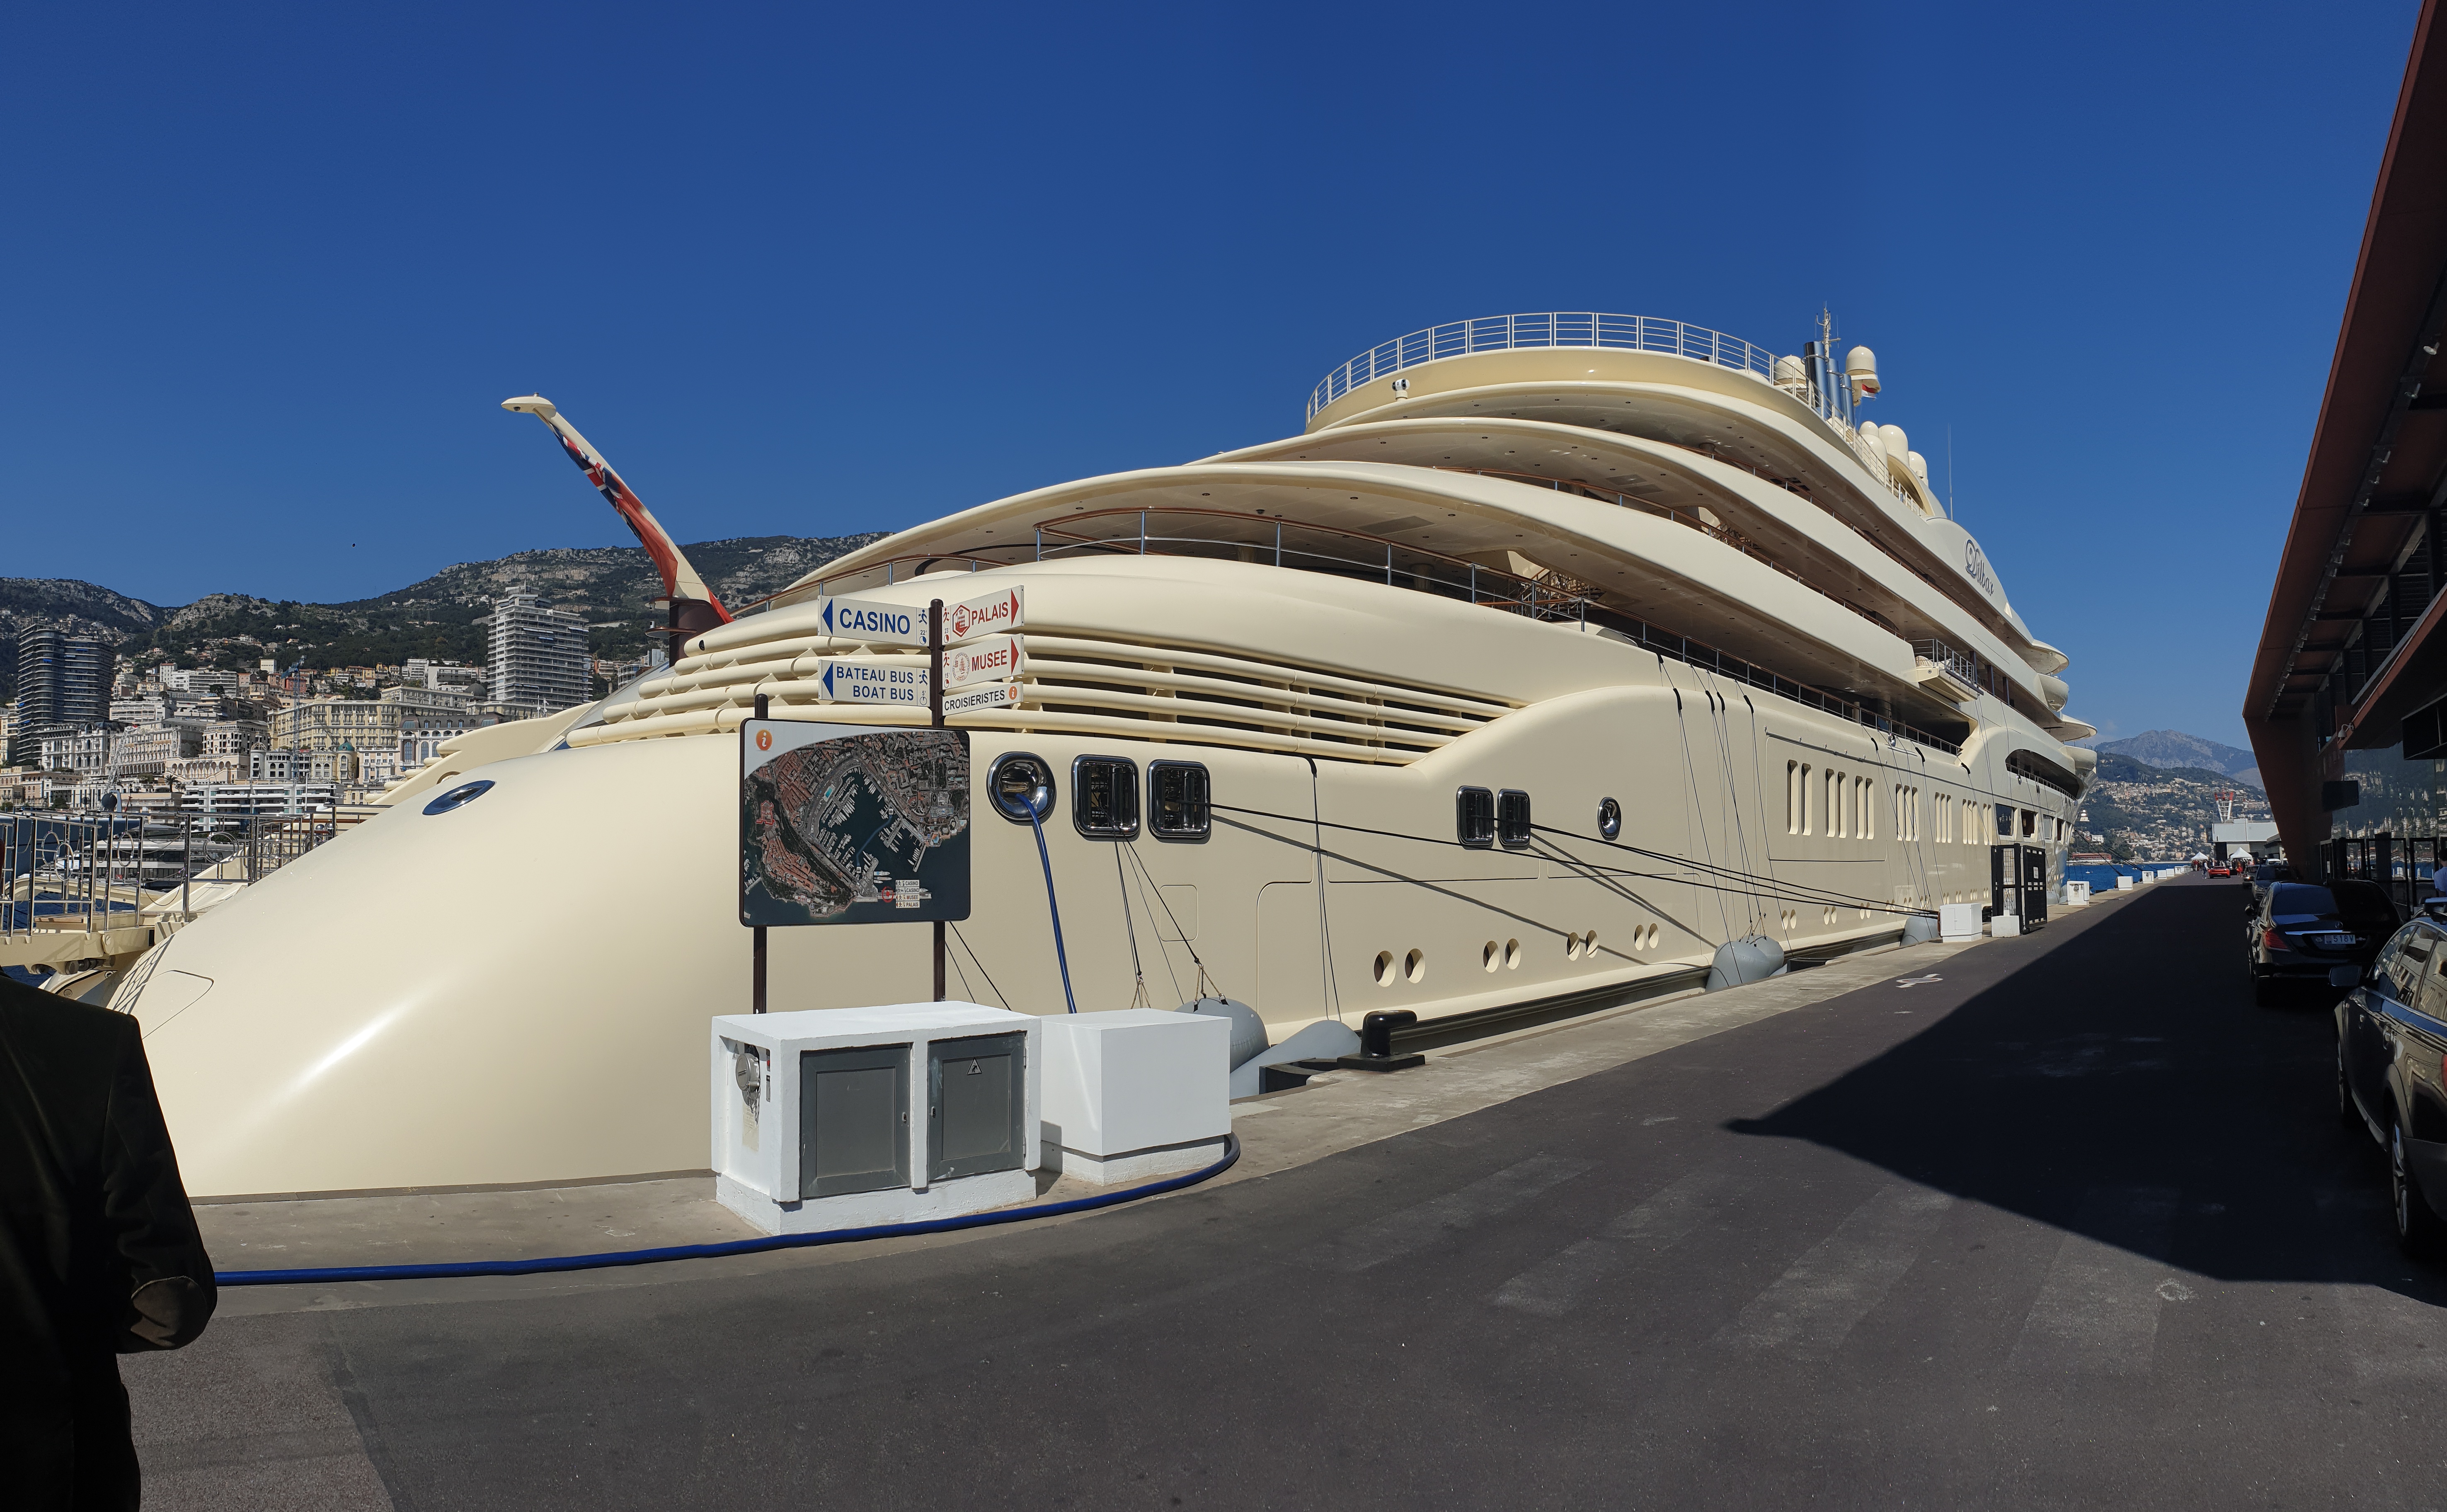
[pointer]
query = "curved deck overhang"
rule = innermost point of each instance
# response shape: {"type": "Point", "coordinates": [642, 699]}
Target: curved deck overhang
{"type": "Point", "coordinates": [1692, 403]}
{"type": "Point", "coordinates": [1822, 550]}
{"type": "Point", "coordinates": [1644, 566]}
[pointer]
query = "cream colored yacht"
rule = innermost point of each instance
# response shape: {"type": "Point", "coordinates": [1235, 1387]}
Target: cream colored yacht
{"type": "Point", "coordinates": [1556, 653]}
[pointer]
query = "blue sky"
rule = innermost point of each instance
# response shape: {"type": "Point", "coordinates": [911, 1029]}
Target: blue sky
{"type": "Point", "coordinates": [810, 270]}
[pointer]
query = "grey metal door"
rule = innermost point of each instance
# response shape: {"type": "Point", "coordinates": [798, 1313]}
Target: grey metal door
{"type": "Point", "coordinates": [853, 1120]}
{"type": "Point", "coordinates": [977, 1096]}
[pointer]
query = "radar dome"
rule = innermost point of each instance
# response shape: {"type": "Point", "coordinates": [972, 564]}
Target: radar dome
{"type": "Point", "coordinates": [1789, 372]}
{"type": "Point", "coordinates": [1898, 444]}
{"type": "Point", "coordinates": [1861, 370]}
{"type": "Point", "coordinates": [1919, 466]}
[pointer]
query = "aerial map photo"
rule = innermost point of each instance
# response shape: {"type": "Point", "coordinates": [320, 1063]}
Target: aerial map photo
{"type": "Point", "coordinates": [840, 827]}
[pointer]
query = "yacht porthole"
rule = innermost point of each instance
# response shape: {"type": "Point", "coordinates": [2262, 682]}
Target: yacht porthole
{"type": "Point", "coordinates": [1589, 943]}
{"type": "Point", "coordinates": [1571, 946]}
{"type": "Point", "coordinates": [460, 797]}
{"type": "Point", "coordinates": [1512, 955]}
{"type": "Point", "coordinates": [1490, 958]}
{"type": "Point", "coordinates": [1414, 966]}
{"type": "Point", "coordinates": [1384, 968]}
{"type": "Point", "coordinates": [1609, 818]}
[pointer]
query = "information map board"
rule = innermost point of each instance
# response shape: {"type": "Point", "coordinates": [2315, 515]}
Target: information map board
{"type": "Point", "coordinates": [852, 825]}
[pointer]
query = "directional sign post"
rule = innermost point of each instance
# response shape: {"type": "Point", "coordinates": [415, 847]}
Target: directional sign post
{"type": "Point", "coordinates": [934, 717]}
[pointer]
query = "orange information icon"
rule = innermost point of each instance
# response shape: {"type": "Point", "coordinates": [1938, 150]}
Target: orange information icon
{"type": "Point", "coordinates": [763, 740]}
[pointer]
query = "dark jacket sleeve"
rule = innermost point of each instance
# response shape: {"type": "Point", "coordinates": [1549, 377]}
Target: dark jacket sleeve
{"type": "Point", "coordinates": [152, 1230]}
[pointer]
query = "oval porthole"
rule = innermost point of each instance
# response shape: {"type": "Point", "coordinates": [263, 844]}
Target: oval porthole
{"type": "Point", "coordinates": [461, 796]}
{"type": "Point", "coordinates": [1022, 787]}
{"type": "Point", "coordinates": [1609, 818]}
{"type": "Point", "coordinates": [1384, 968]}
{"type": "Point", "coordinates": [1414, 966]}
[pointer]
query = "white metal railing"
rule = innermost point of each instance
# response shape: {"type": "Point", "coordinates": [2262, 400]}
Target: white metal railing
{"type": "Point", "coordinates": [1553, 329]}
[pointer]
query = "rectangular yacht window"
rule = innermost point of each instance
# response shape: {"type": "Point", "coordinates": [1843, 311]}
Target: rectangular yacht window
{"type": "Point", "coordinates": [1104, 797]}
{"type": "Point", "coordinates": [1868, 807]}
{"type": "Point", "coordinates": [1512, 817]}
{"type": "Point", "coordinates": [1474, 817]}
{"type": "Point", "coordinates": [1834, 805]}
{"type": "Point", "coordinates": [1177, 801]}
{"type": "Point", "coordinates": [1806, 790]}
{"type": "Point", "coordinates": [1792, 798]}
{"type": "Point", "coordinates": [2004, 821]}
{"type": "Point", "coordinates": [2030, 823]}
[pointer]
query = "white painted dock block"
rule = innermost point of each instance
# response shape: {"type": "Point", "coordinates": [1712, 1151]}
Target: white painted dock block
{"type": "Point", "coordinates": [1136, 1095]}
{"type": "Point", "coordinates": [1958, 921]}
{"type": "Point", "coordinates": [851, 1116]}
{"type": "Point", "coordinates": [2078, 893]}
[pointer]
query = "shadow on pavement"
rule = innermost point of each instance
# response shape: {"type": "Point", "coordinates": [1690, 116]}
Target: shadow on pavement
{"type": "Point", "coordinates": [2118, 1082]}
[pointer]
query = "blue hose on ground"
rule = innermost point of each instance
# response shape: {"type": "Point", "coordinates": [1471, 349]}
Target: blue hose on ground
{"type": "Point", "coordinates": [1061, 956]}
{"type": "Point", "coordinates": [702, 1251]}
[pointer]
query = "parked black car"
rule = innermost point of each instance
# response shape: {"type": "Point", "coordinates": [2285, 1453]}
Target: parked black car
{"type": "Point", "coordinates": [2260, 875]}
{"type": "Point", "coordinates": [2391, 1038]}
{"type": "Point", "coordinates": [2301, 931]}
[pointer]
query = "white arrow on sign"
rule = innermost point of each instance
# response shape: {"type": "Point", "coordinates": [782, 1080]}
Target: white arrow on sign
{"type": "Point", "coordinates": [994, 695]}
{"type": "Point", "coordinates": [980, 616]}
{"type": "Point", "coordinates": [982, 662]}
{"type": "Point", "coordinates": [843, 680]}
{"type": "Point", "coordinates": [871, 620]}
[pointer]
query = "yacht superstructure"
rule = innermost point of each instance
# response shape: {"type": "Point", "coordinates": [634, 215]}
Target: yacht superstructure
{"type": "Point", "coordinates": [1557, 652]}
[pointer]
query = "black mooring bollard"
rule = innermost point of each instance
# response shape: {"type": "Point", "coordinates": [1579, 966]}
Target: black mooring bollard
{"type": "Point", "coordinates": [1377, 1042]}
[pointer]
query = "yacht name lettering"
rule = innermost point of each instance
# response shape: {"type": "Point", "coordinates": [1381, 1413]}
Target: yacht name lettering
{"type": "Point", "coordinates": [1975, 565]}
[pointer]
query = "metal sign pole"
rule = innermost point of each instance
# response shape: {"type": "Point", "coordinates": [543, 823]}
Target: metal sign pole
{"type": "Point", "coordinates": [935, 711]}
{"type": "Point", "coordinates": [756, 949]}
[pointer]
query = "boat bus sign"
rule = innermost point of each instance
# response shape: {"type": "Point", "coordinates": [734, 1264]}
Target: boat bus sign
{"type": "Point", "coordinates": [851, 825]}
{"type": "Point", "coordinates": [846, 680]}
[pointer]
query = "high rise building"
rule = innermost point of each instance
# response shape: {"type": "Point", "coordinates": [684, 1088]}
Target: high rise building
{"type": "Point", "coordinates": [63, 682]}
{"type": "Point", "coordinates": [538, 658]}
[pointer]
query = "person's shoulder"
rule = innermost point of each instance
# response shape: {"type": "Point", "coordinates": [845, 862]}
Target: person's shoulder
{"type": "Point", "coordinates": [39, 1017]}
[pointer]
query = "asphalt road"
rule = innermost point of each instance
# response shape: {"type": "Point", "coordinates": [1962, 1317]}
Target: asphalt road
{"type": "Point", "coordinates": [2074, 1226]}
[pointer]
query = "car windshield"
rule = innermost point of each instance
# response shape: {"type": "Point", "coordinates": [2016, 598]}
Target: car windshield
{"type": "Point", "coordinates": [2299, 901]}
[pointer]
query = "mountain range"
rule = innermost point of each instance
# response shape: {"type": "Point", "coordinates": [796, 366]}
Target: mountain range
{"type": "Point", "coordinates": [613, 587]}
{"type": "Point", "coordinates": [2173, 749]}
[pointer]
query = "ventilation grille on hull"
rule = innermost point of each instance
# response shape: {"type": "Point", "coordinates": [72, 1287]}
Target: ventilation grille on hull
{"type": "Point", "coordinates": [1086, 684]}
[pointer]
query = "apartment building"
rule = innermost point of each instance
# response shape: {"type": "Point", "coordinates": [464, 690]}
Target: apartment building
{"type": "Point", "coordinates": [539, 656]}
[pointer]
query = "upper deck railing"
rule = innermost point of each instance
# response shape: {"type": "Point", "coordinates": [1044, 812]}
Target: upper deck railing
{"type": "Point", "coordinates": [1571, 327]}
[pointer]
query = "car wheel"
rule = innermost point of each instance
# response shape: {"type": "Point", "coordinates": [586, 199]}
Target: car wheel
{"type": "Point", "coordinates": [2417, 1228]}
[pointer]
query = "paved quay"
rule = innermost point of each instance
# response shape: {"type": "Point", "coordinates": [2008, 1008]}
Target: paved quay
{"type": "Point", "coordinates": [2061, 1220]}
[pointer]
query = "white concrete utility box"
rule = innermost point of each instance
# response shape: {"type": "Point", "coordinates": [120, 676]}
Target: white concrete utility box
{"type": "Point", "coordinates": [847, 1117]}
{"type": "Point", "coordinates": [1136, 1095]}
{"type": "Point", "coordinates": [1958, 921]}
